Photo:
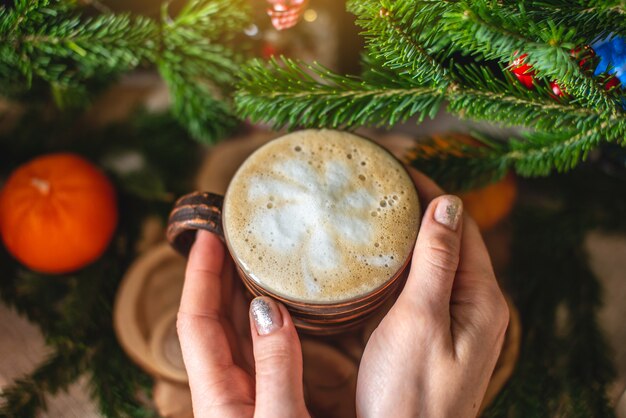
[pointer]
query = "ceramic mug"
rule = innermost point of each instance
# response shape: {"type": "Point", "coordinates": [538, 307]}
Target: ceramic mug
{"type": "Point", "coordinates": [323, 221]}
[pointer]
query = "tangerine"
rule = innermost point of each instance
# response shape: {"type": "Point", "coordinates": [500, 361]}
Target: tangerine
{"type": "Point", "coordinates": [491, 204]}
{"type": "Point", "coordinates": [58, 213]}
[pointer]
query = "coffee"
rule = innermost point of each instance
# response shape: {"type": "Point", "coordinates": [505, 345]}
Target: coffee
{"type": "Point", "coordinates": [321, 216]}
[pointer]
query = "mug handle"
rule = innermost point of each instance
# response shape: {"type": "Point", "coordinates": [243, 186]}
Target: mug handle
{"type": "Point", "coordinates": [193, 211]}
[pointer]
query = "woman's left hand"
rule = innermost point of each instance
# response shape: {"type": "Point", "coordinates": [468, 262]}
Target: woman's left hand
{"type": "Point", "coordinates": [231, 375]}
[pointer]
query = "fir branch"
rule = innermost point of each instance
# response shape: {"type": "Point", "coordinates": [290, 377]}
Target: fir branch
{"type": "Point", "coordinates": [458, 162]}
{"type": "Point", "coordinates": [502, 34]}
{"type": "Point", "coordinates": [27, 395]}
{"type": "Point", "coordinates": [565, 366]}
{"type": "Point", "coordinates": [592, 20]}
{"type": "Point", "coordinates": [206, 117]}
{"type": "Point", "coordinates": [115, 385]}
{"type": "Point", "coordinates": [67, 50]}
{"type": "Point", "coordinates": [52, 43]}
{"type": "Point", "coordinates": [198, 69]}
{"type": "Point", "coordinates": [400, 36]}
{"type": "Point", "coordinates": [287, 94]}
{"type": "Point", "coordinates": [193, 40]}
{"type": "Point", "coordinates": [459, 165]}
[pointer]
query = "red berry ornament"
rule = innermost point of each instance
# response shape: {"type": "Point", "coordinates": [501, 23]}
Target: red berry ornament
{"type": "Point", "coordinates": [268, 51]}
{"type": "Point", "coordinates": [556, 90]}
{"type": "Point", "coordinates": [611, 83]}
{"type": "Point", "coordinates": [523, 71]}
{"type": "Point", "coordinates": [586, 57]}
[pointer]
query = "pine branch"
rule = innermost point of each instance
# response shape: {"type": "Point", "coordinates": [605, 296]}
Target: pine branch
{"type": "Point", "coordinates": [592, 20]}
{"type": "Point", "coordinates": [287, 94]}
{"type": "Point", "coordinates": [195, 42]}
{"type": "Point", "coordinates": [66, 50]}
{"type": "Point", "coordinates": [458, 162]}
{"type": "Point", "coordinates": [458, 165]}
{"type": "Point", "coordinates": [113, 383]}
{"type": "Point", "coordinates": [565, 366]}
{"type": "Point", "coordinates": [418, 59]}
{"type": "Point", "coordinates": [50, 43]}
{"type": "Point", "coordinates": [27, 395]}
{"type": "Point", "coordinates": [502, 33]}
{"type": "Point", "coordinates": [206, 117]}
{"type": "Point", "coordinates": [399, 35]}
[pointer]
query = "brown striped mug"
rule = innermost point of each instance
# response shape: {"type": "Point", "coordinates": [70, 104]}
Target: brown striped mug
{"type": "Point", "coordinates": [323, 221]}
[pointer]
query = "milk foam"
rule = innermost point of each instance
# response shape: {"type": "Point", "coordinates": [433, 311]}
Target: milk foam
{"type": "Point", "coordinates": [321, 216]}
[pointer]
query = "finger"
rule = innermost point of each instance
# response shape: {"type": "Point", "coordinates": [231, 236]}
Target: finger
{"type": "Point", "coordinates": [202, 291]}
{"type": "Point", "coordinates": [436, 255]}
{"type": "Point", "coordinates": [475, 258]}
{"type": "Point", "coordinates": [476, 291]}
{"type": "Point", "coordinates": [426, 187]}
{"type": "Point", "coordinates": [203, 340]}
{"type": "Point", "coordinates": [278, 360]}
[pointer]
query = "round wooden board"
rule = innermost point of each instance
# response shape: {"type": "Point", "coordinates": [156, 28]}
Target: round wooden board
{"type": "Point", "coordinates": [145, 311]}
{"type": "Point", "coordinates": [329, 380]}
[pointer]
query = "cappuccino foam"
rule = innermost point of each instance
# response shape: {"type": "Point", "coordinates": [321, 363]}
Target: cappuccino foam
{"type": "Point", "coordinates": [321, 216]}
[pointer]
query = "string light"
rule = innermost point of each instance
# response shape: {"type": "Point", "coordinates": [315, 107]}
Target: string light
{"type": "Point", "coordinates": [251, 30]}
{"type": "Point", "coordinates": [310, 15]}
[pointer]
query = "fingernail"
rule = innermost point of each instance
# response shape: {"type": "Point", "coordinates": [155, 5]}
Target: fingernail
{"type": "Point", "coordinates": [266, 315]}
{"type": "Point", "coordinates": [448, 211]}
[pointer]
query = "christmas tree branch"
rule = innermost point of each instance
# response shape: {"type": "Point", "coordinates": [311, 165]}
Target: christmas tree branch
{"type": "Point", "coordinates": [198, 71]}
{"type": "Point", "coordinates": [27, 395]}
{"type": "Point", "coordinates": [79, 49]}
{"type": "Point", "coordinates": [475, 26]}
{"type": "Point", "coordinates": [458, 165]}
{"type": "Point", "coordinates": [269, 95]}
{"type": "Point", "coordinates": [565, 367]}
{"type": "Point", "coordinates": [51, 43]}
{"type": "Point", "coordinates": [592, 20]}
{"type": "Point", "coordinates": [291, 94]}
{"type": "Point", "coordinates": [401, 46]}
{"type": "Point", "coordinates": [422, 54]}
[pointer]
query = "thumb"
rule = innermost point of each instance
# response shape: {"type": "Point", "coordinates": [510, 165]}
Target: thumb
{"type": "Point", "coordinates": [278, 361]}
{"type": "Point", "coordinates": [436, 255]}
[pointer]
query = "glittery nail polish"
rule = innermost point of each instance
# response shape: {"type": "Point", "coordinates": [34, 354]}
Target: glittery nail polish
{"type": "Point", "coordinates": [448, 211]}
{"type": "Point", "coordinates": [266, 315]}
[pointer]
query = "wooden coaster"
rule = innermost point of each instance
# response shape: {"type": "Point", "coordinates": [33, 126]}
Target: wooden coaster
{"type": "Point", "coordinates": [145, 311]}
{"type": "Point", "coordinates": [165, 347]}
{"type": "Point", "coordinates": [172, 400]}
{"type": "Point", "coordinates": [329, 380]}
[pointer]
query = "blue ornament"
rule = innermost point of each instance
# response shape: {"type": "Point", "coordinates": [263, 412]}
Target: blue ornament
{"type": "Point", "coordinates": [612, 54]}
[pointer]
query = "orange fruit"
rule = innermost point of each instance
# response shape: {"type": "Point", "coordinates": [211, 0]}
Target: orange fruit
{"type": "Point", "coordinates": [491, 204]}
{"type": "Point", "coordinates": [58, 213]}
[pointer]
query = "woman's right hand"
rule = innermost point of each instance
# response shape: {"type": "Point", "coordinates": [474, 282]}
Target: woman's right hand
{"type": "Point", "coordinates": [434, 352]}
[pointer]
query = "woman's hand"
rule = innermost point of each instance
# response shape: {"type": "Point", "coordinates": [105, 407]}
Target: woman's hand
{"type": "Point", "coordinates": [434, 352]}
{"type": "Point", "coordinates": [231, 375]}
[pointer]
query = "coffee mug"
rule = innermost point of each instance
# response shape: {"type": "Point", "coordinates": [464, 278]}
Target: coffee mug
{"type": "Point", "coordinates": [324, 221]}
